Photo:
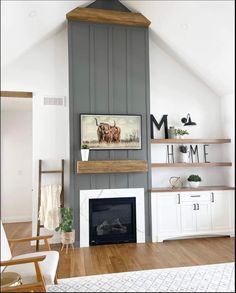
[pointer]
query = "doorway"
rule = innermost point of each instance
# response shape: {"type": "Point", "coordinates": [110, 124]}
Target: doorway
{"type": "Point", "coordinates": [16, 159]}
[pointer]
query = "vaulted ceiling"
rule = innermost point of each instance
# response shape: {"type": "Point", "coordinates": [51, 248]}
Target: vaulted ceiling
{"type": "Point", "coordinates": [198, 34]}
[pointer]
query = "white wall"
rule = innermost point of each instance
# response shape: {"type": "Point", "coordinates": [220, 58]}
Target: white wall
{"type": "Point", "coordinates": [16, 160]}
{"type": "Point", "coordinates": [228, 125]}
{"type": "Point", "coordinates": [201, 33]}
{"type": "Point", "coordinates": [176, 92]}
{"type": "Point", "coordinates": [44, 70]}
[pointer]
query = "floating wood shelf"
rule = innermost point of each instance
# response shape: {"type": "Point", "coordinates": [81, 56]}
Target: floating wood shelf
{"type": "Point", "coordinates": [182, 189]}
{"type": "Point", "coordinates": [189, 141]}
{"type": "Point", "coordinates": [108, 16]}
{"type": "Point", "coordinates": [118, 166]}
{"type": "Point", "coordinates": [190, 165]}
{"type": "Point", "coordinates": [12, 94]}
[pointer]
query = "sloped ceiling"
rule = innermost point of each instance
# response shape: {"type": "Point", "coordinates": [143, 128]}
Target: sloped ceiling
{"type": "Point", "coordinates": [199, 34]}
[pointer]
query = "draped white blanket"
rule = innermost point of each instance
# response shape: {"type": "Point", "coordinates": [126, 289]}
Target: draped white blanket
{"type": "Point", "coordinates": [49, 213]}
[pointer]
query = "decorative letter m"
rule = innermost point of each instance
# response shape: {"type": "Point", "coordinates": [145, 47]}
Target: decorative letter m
{"type": "Point", "coordinates": [159, 125]}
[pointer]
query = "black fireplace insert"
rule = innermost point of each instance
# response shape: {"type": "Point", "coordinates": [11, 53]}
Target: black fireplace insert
{"type": "Point", "coordinates": [112, 220]}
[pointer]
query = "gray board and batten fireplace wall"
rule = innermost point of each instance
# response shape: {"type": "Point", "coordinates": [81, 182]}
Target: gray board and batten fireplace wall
{"type": "Point", "coordinates": [108, 74]}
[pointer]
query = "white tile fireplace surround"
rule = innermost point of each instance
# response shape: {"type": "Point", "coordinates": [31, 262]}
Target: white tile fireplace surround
{"type": "Point", "coordinates": [85, 195]}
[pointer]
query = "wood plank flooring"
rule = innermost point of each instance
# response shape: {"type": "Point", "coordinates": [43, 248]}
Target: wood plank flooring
{"type": "Point", "coordinates": [132, 257]}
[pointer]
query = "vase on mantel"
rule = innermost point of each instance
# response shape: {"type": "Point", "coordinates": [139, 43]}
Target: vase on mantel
{"type": "Point", "coordinates": [84, 154]}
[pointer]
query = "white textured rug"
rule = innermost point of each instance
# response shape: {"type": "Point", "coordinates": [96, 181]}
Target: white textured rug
{"type": "Point", "coordinates": [207, 278]}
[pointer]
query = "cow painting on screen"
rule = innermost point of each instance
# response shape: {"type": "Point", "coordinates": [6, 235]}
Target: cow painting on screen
{"type": "Point", "coordinates": [108, 133]}
{"type": "Point", "coordinates": [111, 131]}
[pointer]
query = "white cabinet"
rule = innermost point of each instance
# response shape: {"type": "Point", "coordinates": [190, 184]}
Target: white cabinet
{"type": "Point", "coordinates": [165, 215]}
{"type": "Point", "coordinates": [220, 211]}
{"type": "Point", "coordinates": [184, 214]}
{"type": "Point", "coordinates": [195, 212]}
{"type": "Point", "coordinates": [203, 216]}
{"type": "Point", "coordinates": [188, 217]}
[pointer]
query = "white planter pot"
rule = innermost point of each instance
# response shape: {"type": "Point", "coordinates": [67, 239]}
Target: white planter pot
{"type": "Point", "coordinates": [184, 157]}
{"type": "Point", "coordinates": [84, 154]}
{"type": "Point", "coordinates": [194, 184]}
{"type": "Point", "coordinates": [68, 237]}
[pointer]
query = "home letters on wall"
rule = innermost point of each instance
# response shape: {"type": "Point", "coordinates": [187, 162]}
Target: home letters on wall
{"type": "Point", "coordinates": [192, 153]}
{"type": "Point", "coordinates": [159, 125]}
{"type": "Point", "coordinates": [205, 153]}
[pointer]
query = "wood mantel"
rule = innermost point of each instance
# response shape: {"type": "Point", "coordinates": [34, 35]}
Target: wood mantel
{"type": "Point", "coordinates": [108, 16]}
{"type": "Point", "coordinates": [118, 166]}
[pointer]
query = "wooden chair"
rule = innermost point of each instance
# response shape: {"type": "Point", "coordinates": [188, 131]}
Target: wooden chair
{"type": "Point", "coordinates": [36, 269]}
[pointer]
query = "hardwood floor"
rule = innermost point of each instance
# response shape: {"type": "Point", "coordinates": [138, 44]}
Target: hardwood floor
{"type": "Point", "coordinates": [132, 257]}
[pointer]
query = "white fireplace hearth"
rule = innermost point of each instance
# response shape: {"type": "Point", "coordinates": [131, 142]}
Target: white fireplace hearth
{"type": "Point", "coordinates": [85, 195]}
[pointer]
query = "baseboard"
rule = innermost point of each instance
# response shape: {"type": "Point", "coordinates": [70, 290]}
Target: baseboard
{"type": "Point", "coordinates": [16, 219]}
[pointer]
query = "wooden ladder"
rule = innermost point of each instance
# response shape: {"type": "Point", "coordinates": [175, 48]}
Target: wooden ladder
{"type": "Point", "coordinates": [41, 172]}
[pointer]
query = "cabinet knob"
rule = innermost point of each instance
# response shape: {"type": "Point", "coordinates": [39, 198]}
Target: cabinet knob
{"type": "Point", "coordinates": [194, 207]}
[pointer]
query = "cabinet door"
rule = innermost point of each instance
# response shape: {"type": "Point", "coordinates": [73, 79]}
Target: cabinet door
{"type": "Point", "coordinates": [188, 217]}
{"type": "Point", "coordinates": [203, 213]}
{"type": "Point", "coordinates": [220, 210]}
{"type": "Point", "coordinates": [168, 214]}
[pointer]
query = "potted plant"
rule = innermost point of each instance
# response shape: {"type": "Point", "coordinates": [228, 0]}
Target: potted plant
{"type": "Point", "coordinates": [84, 152]}
{"type": "Point", "coordinates": [194, 180]}
{"type": "Point", "coordinates": [184, 155]}
{"type": "Point", "coordinates": [66, 227]}
{"type": "Point", "coordinates": [180, 132]}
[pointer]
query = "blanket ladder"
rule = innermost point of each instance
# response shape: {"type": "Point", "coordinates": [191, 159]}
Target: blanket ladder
{"type": "Point", "coordinates": [41, 172]}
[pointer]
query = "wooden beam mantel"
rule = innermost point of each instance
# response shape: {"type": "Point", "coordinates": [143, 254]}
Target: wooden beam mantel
{"type": "Point", "coordinates": [108, 16]}
{"type": "Point", "coordinates": [118, 166]}
{"type": "Point", "coordinates": [15, 94]}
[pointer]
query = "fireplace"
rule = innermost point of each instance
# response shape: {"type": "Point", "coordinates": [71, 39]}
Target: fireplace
{"type": "Point", "coordinates": [104, 194]}
{"type": "Point", "coordinates": [112, 220]}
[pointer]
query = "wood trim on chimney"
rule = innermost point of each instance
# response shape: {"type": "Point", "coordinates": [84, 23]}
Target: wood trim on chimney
{"type": "Point", "coordinates": [108, 16]}
{"type": "Point", "coordinates": [14, 94]}
{"type": "Point", "coordinates": [118, 166]}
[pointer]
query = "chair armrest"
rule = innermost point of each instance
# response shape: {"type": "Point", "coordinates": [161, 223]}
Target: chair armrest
{"type": "Point", "coordinates": [13, 242]}
{"type": "Point", "coordinates": [19, 261]}
{"type": "Point", "coordinates": [38, 286]}
{"type": "Point", "coordinates": [42, 237]}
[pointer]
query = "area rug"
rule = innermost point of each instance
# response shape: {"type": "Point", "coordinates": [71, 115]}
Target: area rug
{"type": "Point", "coordinates": [207, 278]}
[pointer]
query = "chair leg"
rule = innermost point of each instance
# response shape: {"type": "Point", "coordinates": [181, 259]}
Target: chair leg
{"type": "Point", "coordinates": [55, 280]}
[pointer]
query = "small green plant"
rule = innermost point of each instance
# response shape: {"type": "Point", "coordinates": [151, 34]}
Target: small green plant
{"type": "Point", "coordinates": [183, 149]}
{"type": "Point", "coordinates": [85, 147]}
{"type": "Point", "coordinates": [181, 132]}
{"type": "Point", "coordinates": [194, 178]}
{"type": "Point", "coordinates": [66, 220]}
